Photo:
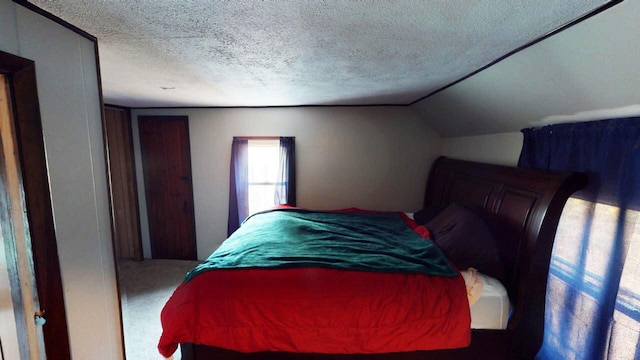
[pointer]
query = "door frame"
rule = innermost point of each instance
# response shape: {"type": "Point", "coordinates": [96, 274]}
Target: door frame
{"type": "Point", "coordinates": [21, 76]}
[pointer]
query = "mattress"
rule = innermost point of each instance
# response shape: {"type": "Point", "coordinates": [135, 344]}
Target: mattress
{"type": "Point", "coordinates": [490, 306]}
{"type": "Point", "coordinates": [310, 308]}
{"type": "Point", "coordinates": [491, 309]}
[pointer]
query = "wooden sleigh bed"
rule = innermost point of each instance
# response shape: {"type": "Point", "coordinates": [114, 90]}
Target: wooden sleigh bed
{"type": "Point", "coordinates": [526, 205]}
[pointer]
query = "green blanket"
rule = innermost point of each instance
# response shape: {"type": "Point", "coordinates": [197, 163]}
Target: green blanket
{"type": "Point", "coordinates": [284, 238]}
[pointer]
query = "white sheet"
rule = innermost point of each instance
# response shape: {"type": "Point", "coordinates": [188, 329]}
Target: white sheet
{"type": "Point", "coordinates": [491, 309]}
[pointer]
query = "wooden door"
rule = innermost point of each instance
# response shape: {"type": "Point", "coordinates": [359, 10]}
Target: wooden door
{"type": "Point", "coordinates": [166, 162]}
{"type": "Point", "coordinates": [126, 223]}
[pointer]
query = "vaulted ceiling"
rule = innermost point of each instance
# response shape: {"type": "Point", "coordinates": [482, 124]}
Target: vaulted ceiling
{"type": "Point", "coordinates": [164, 53]}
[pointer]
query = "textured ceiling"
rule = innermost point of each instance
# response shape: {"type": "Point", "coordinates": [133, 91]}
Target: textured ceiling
{"type": "Point", "coordinates": [269, 53]}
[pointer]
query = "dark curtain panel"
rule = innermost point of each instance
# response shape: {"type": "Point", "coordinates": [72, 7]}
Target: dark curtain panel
{"type": "Point", "coordinates": [238, 184]}
{"type": "Point", "coordinates": [286, 183]}
{"type": "Point", "coordinates": [593, 295]}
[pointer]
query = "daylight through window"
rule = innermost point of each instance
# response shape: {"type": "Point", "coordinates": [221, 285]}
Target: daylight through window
{"type": "Point", "coordinates": [263, 173]}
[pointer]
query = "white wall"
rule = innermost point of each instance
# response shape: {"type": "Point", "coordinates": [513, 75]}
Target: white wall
{"type": "Point", "coordinates": [369, 157]}
{"type": "Point", "coordinates": [70, 110]}
{"type": "Point", "coordinates": [9, 38]}
{"type": "Point", "coordinates": [592, 65]}
{"type": "Point", "coordinates": [503, 149]}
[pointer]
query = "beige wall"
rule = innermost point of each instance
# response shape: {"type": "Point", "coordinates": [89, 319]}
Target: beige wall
{"type": "Point", "coordinates": [70, 108]}
{"type": "Point", "coordinates": [346, 156]}
{"type": "Point", "coordinates": [587, 68]}
{"type": "Point", "coordinates": [368, 157]}
{"type": "Point", "coordinates": [503, 149]}
{"type": "Point", "coordinates": [590, 66]}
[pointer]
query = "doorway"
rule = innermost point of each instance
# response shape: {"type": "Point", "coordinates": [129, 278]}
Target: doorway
{"type": "Point", "coordinates": [27, 229]}
{"type": "Point", "coordinates": [146, 284]}
{"type": "Point", "coordinates": [16, 335]}
{"type": "Point", "coordinates": [166, 163]}
{"type": "Point", "coordinates": [122, 179]}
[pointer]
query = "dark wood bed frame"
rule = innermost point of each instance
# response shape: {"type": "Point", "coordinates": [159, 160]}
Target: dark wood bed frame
{"type": "Point", "coordinates": [527, 205]}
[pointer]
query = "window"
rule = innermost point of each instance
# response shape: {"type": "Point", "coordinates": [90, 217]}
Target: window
{"type": "Point", "coordinates": [593, 295]}
{"type": "Point", "coordinates": [262, 174]}
{"type": "Point", "coordinates": [580, 277]}
{"type": "Point", "coordinates": [264, 162]}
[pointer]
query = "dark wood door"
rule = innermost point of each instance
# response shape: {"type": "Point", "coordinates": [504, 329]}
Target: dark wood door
{"type": "Point", "coordinates": [122, 178]}
{"type": "Point", "coordinates": [166, 162]}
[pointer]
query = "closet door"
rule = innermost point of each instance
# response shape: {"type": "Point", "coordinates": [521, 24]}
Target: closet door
{"type": "Point", "coordinates": [122, 179]}
{"type": "Point", "coordinates": [166, 162]}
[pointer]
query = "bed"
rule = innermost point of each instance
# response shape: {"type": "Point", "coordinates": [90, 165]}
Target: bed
{"type": "Point", "coordinates": [520, 207]}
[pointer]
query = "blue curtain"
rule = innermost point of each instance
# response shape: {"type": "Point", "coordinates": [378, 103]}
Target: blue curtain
{"type": "Point", "coordinates": [286, 183]}
{"type": "Point", "coordinates": [593, 297]}
{"type": "Point", "coordinates": [238, 184]}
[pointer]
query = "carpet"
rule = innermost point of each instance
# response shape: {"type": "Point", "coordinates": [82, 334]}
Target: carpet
{"type": "Point", "coordinates": [144, 289]}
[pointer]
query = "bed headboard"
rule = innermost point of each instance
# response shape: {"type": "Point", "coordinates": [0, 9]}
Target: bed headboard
{"type": "Point", "coordinates": [527, 205]}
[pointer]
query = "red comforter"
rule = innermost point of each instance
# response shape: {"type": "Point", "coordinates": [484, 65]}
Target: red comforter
{"type": "Point", "coordinates": [317, 310]}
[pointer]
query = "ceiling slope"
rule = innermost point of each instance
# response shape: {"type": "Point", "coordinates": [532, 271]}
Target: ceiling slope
{"type": "Point", "coordinates": [583, 70]}
{"type": "Point", "coordinates": [163, 53]}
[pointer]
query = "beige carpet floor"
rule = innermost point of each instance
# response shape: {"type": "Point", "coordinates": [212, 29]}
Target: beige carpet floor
{"type": "Point", "coordinates": [144, 289]}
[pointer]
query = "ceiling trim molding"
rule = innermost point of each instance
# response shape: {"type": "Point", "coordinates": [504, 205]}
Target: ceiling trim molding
{"type": "Point", "coordinates": [83, 33]}
{"type": "Point", "coordinates": [264, 107]}
{"type": "Point", "coordinates": [50, 16]}
{"type": "Point", "coordinates": [119, 107]}
{"type": "Point", "coordinates": [590, 14]}
{"type": "Point", "coordinates": [517, 50]}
